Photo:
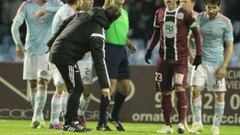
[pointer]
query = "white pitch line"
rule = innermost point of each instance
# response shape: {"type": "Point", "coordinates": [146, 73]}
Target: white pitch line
{"type": "Point", "coordinates": [14, 89]}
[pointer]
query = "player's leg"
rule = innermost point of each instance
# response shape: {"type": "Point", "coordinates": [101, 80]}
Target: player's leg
{"type": "Point", "coordinates": [123, 85]}
{"type": "Point", "coordinates": [219, 87]}
{"type": "Point", "coordinates": [167, 112]}
{"type": "Point", "coordinates": [122, 93]}
{"type": "Point", "coordinates": [102, 123]}
{"type": "Point", "coordinates": [29, 74]}
{"type": "Point", "coordinates": [42, 83]}
{"type": "Point", "coordinates": [84, 103]}
{"type": "Point", "coordinates": [86, 73]}
{"type": "Point", "coordinates": [164, 78]}
{"type": "Point", "coordinates": [218, 111]}
{"type": "Point", "coordinates": [113, 58]}
{"type": "Point", "coordinates": [180, 75]}
{"type": "Point", "coordinates": [72, 79]}
{"type": "Point", "coordinates": [33, 90]}
{"type": "Point", "coordinates": [189, 87]}
{"type": "Point", "coordinates": [56, 102]}
{"type": "Point", "coordinates": [56, 108]}
{"type": "Point", "coordinates": [198, 84]}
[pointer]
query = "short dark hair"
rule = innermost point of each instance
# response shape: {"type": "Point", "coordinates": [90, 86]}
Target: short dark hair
{"type": "Point", "coordinates": [112, 13]}
{"type": "Point", "coordinates": [71, 1]}
{"type": "Point", "coordinates": [217, 2]}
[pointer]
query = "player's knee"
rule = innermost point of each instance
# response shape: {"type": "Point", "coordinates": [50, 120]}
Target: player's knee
{"type": "Point", "coordinates": [61, 88]}
{"type": "Point", "coordinates": [86, 93]}
{"type": "Point", "coordinates": [124, 86]}
{"type": "Point", "coordinates": [196, 92]}
{"type": "Point", "coordinates": [179, 88]}
{"type": "Point", "coordinates": [220, 97]}
{"type": "Point", "coordinates": [125, 90]}
{"type": "Point", "coordinates": [42, 84]}
{"type": "Point", "coordinates": [113, 86]}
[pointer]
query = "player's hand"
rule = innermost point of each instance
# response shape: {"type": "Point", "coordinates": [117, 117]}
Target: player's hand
{"type": "Point", "coordinates": [40, 13]}
{"type": "Point", "coordinates": [197, 61]}
{"type": "Point", "coordinates": [191, 57]}
{"type": "Point", "coordinates": [220, 72]}
{"type": "Point", "coordinates": [133, 48]}
{"type": "Point", "coordinates": [106, 93]}
{"type": "Point", "coordinates": [148, 56]}
{"type": "Point", "coordinates": [20, 51]}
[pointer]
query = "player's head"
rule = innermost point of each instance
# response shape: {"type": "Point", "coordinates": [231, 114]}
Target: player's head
{"type": "Point", "coordinates": [187, 4]}
{"type": "Point", "coordinates": [213, 8]}
{"type": "Point", "coordinates": [170, 4]}
{"type": "Point", "coordinates": [112, 13]}
{"type": "Point", "coordinates": [86, 5]}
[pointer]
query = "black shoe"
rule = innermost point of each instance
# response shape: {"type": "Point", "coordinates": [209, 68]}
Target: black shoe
{"type": "Point", "coordinates": [74, 127]}
{"type": "Point", "coordinates": [117, 124]}
{"type": "Point", "coordinates": [103, 127]}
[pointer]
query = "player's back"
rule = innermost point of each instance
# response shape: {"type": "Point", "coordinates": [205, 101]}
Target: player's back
{"type": "Point", "coordinates": [64, 12]}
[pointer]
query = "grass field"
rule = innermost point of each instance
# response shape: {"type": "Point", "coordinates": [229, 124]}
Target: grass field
{"type": "Point", "coordinates": [21, 127]}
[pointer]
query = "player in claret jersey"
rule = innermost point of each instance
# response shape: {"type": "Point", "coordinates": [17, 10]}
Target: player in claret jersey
{"type": "Point", "coordinates": [172, 25]}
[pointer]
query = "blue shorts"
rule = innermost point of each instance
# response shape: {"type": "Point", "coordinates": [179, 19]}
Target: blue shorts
{"type": "Point", "coordinates": [117, 61]}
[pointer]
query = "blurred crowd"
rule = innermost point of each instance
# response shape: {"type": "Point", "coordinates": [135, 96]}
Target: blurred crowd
{"type": "Point", "coordinates": [141, 14]}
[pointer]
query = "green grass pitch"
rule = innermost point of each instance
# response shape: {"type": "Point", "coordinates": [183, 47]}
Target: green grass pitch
{"type": "Point", "coordinates": [21, 127]}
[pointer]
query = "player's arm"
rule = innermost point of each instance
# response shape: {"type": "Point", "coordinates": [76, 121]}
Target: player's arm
{"type": "Point", "coordinates": [154, 38]}
{"type": "Point", "coordinates": [17, 22]}
{"type": "Point", "coordinates": [53, 9]}
{"type": "Point", "coordinates": [190, 49]}
{"type": "Point", "coordinates": [152, 43]}
{"type": "Point", "coordinates": [131, 46]}
{"type": "Point", "coordinates": [198, 38]}
{"type": "Point", "coordinates": [222, 69]}
{"type": "Point", "coordinates": [193, 25]}
{"type": "Point", "coordinates": [97, 42]}
{"type": "Point", "coordinates": [198, 41]}
{"type": "Point", "coordinates": [228, 38]}
{"type": "Point", "coordinates": [228, 54]}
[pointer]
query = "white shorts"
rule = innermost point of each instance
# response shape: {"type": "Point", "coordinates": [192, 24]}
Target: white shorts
{"type": "Point", "coordinates": [85, 66]}
{"type": "Point", "coordinates": [206, 74]}
{"type": "Point", "coordinates": [191, 71]}
{"type": "Point", "coordinates": [35, 67]}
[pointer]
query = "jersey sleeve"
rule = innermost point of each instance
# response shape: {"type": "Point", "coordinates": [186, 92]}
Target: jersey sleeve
{"type": "Point", "coordinates": [156, 23]}
{"type": "Point", "coordinates": [228, 31]}
{"type": "Point", "coordinates": [189, 19]}
{"type": "Point", "coordinates": [97, 45]}
{"type": "Point", "coordinates": [17, 22]}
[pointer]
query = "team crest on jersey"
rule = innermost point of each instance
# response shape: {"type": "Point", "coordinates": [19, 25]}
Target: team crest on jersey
{"type": "Point", "coordinates": [180, 16]}
{"type": "Point", "coordinates": [169, 29]}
